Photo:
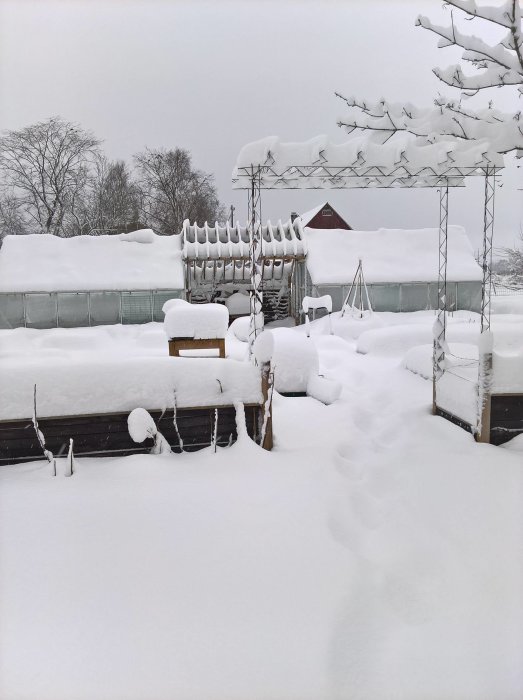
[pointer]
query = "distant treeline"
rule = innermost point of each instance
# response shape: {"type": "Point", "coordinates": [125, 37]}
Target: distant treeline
{"type": "Point", "coordinates": [54, 178]}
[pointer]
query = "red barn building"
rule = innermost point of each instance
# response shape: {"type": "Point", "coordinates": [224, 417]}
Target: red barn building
{"type": "Point", "coordinates": [323, 216]}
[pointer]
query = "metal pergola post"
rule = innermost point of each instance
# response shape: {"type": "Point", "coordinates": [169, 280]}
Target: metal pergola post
{"type": "Point", "coordinates": [255, 257]}
{"type": "Point", "coordinates": [488, 235]}
{"type": "Point", "coordinates": [279, 172]}
{"type": "Point", "coordinates": [438, 356]}
{"type": "Point", "coordinates": [485, 348]}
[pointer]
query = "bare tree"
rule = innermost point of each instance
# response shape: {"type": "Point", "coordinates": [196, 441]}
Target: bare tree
{"type": "Point", "coordinates": [172, 191]}
{"type": "Point", "coordinates": [495, 66]}
{"type": "Point", "coordinates": [11, 216]}
{"type": "Point", "coordinates": [45, 166]}
{"type": "Point", "coordinates": [514, 262]}
{"type": "Point", "coordinates": [112, 202]}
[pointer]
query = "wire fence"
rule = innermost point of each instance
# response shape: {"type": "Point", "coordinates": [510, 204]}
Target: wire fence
{"type": "Point", "coordinates": [504, 290]}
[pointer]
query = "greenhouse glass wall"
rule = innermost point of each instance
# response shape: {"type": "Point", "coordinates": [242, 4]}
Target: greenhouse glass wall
{"type": "Point", "coordinates": [412, 296]}
{"type": "Point", "coordinates": [77, 309]}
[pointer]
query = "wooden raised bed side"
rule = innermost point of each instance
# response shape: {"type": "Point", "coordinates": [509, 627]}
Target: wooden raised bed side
{"type": "Point", "coordinates": [502, 418]}
{"type": "Point", "coordinates": [177, 344]}
{"type": "Point", "coordinates": [106, 435]}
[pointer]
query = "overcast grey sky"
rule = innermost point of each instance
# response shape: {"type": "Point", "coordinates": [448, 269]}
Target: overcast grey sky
{"type": "Point", "coordinates": [212, 75]}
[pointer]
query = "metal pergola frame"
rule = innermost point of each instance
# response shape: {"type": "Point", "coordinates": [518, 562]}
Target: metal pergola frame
{"type": "Point", "coordinates": [255, 178]}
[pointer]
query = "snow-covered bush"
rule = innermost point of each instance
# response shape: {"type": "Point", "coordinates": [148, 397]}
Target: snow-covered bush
{"type": "Point", "coordinates": [240, 328]}
{"type": "Point", "coordinates": [142, 426]}
{"type": "Point", "coordinates": [293, 356]}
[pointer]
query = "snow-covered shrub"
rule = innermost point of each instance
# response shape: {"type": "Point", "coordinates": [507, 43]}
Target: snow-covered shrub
{"type": "Point", "coordinates": [240, 328]}
{"type": "Point", "coordinates": [142, 426]}
{"type": "Point", "coordinates": [293, 356]}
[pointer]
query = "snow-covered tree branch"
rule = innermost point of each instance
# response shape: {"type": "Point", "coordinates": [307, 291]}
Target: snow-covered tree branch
{"type": "Point", "coordinates": [447, 118]}
{"type": "Point", "coordinates": [496, 66]}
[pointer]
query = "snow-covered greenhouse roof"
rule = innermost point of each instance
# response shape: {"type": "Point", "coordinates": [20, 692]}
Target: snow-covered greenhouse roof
{"type": "Point", "coordinates": [388, 255]}
{"type": "Point", "coordinates": [361, 162]}
{"type": "Point", "coordinates": [140, 260]}
{"type": "Point", "coordinates": [224, 242]}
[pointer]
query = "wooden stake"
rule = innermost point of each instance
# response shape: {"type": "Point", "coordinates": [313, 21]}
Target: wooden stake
{"type": "Point", "coordinates": [266, 413]}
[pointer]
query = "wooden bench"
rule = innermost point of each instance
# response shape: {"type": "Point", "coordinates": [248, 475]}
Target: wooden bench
{"type": "Point", "coordinates": [177, 344]}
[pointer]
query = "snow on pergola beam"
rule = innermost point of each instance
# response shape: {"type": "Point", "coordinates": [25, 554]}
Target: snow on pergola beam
{"type": "Point", "coordinates": [362, 163]}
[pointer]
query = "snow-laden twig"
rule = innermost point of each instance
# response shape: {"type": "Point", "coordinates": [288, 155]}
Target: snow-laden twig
{"type": "Point", "coordinates": [241, 425]}
{"type": "Point", "coordinates": [175, 421]}
{"type": "Point", "coordinates": [70, 463]}
{"type": "Point", "coordinates": [142, 426]}
{"type": "Point", "coordinates": [267, 407]}
{"type": "Point", "coordinates": [214, 439]}
{"type": "Point", "coordinates": [40, 437]}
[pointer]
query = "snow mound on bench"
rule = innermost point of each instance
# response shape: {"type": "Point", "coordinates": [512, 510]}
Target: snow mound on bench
{"type": "Point", "coordinates": [198, 321]}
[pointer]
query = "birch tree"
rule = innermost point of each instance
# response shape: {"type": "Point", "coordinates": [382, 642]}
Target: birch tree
{"type": "Point", "coordinates": [112, 202]}
{"type": "Point", "coordinates": [172, 190]}
{"type": "Point", "coordinates": [45, 167]}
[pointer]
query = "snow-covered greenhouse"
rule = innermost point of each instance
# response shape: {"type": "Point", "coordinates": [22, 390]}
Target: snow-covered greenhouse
{"type": "Point", "coordinates": [218, 265]}
{"type": "Point", "coordinates": [400, 267]}
{"type": "Point", "coordinates": [47, 281]}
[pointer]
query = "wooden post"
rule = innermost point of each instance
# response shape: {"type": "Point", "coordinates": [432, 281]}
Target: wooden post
{"type": "Point", "coordinates": [484, 396]}
{"type": "Point", "coordinates": [177, 344]}
{"type": "Point", "coordinates": [266, 420]}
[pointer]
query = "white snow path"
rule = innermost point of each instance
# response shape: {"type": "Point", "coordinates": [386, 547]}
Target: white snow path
{"type": "Point", "coordinates": [410, 507]}
{"type": "Point", "coordinates": [375, 553]}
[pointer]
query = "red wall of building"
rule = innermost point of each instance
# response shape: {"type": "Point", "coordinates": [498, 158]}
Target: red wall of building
{"type": "Point", "coordinates": [323, 220]}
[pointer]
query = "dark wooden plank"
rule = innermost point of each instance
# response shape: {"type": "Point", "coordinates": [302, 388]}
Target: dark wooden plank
{"type": "Point", "coordinates": [454, 419]}
{"type": "Point", "coordinates": [506, 417]}
{"type": "Point", "coordinates": [107, 434]}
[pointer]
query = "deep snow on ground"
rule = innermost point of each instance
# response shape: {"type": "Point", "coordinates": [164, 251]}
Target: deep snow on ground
{"type": "Point", "coordinates": [374, 554]}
